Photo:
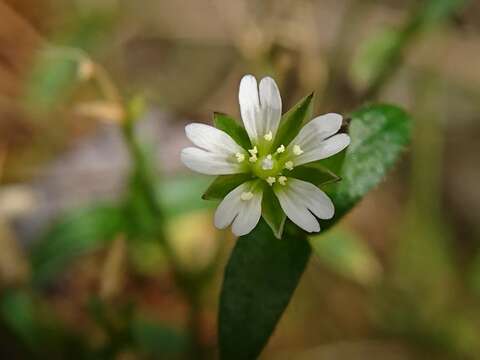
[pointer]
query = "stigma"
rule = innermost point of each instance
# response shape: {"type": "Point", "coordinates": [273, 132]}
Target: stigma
{"type": "Point", "coordinates": [267, 163]}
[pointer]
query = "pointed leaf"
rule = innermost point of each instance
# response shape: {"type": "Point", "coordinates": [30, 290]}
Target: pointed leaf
{"type": "Point", "coordinates": [315, 174]}
{"type": "Point", "coordinates": [272, 212]}
{"type": "Point", "coordinates": [223, 184]}
{"type": "Point", "coordinates": [259, 280]}
{"type": "Point", "coordinates": [293, 120]}
{"type": "Point", "coordinates": [233, 128]}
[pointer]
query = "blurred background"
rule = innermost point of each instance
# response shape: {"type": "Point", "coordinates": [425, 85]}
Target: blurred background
{"type": "Point", "coordinates": [107, 250]}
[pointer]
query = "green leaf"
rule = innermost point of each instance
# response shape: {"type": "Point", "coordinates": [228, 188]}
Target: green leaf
{"type": "Point", "coordinates": [259, 279]}
{"type": "Point", "coordinates": [223, 184]}
{"type": "Point", "coordinates": [232, 128]}
{"type": "Point", "coordinates": [379, 134]}
{"type": "Point", "coordinates": [315, 173]}
{"type": "Point", "coordinates": [346, 254]}
{"type": "Point", "coordinates": [272, 212]}
{"type": "Point", "coordinates": [73, 235]}
{"type": "Point", "coordinates": [263, 271]}
{"type": "Point", "coordinates": [292, 121]}
{"type": "Point", "coordinates": [18, 312]}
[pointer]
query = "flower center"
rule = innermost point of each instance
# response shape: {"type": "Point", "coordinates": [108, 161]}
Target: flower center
{"type": "Point", "coordinates": [266, 166]}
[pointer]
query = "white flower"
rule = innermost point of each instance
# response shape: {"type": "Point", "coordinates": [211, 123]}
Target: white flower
{"type": "Point", "coordinates": [217, 153]}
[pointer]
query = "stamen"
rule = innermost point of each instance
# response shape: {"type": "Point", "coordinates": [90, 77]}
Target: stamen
{"type": "Point", "coordinates": [270, 180]}
{"type": "Point", "coordinates": [297, 150]}
{"type": "Point", "coordinates": [253, 151]}
{"type": "Point", "coordinates": [269, 157]}
{"type": "Point", "coordinates": [281, 149]}
{"type": "Point", "coordinates": [268, 136]}
{"type": "Point", "coordinates": [253, 158]}
{"type": "Point", "coordinates": [248, 195]}
{"type": "Point", "coordinates": [240, 157]}
{"type": "Point", "coordinates": [282, 180]}
{"type": "Point", "coordinates": [289, 165]}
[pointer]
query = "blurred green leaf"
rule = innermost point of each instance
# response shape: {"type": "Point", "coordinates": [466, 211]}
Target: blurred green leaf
{"type": "Point", "coordinates": [263, 271]}
{"type": "Point", "coordinates": [433, 11]}
{"type": "Point", "coordinates": [19, 313]}
{"type": "Point", "coordinates": [272, 212]}
{"type": "Point", "coordinates": [382, 54]}
{"type": "Point", "coordinates": [157, 340]}
{"type": "Point", "coordinates": [346, 254]}
{"type": "Point", "coordinates": [37, 328]}
{"type": "Point", "coordinates": [372, 56]}
{"type": "Point", "coordinates": [55, 70]}
{"type": "Point", "coordinates": [73, 235]}
{"type": "Point", "coordinates": [223, 184]}
{"type": "Point", "coordinates": [259, 279]}
{"type": "Point", "coordinates": [233, 128]}
{"type": "Point", "coordinates": [180, 194]}
{"type": "Point", "coordinates": [292, 121]}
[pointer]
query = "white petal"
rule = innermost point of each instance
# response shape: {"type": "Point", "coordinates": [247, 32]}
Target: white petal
{"type": "Point", "coordinates": [298, 198]}
{"type": "Point", "coordinates": [208, 163]}
{"type": "Point", "coordinates": [249, 105]}
{"type": "Point", "coordinates": [312, 197]}
{"type": "Point", "coordinates": [323, 149]}
{"type": "Point", "coordinates": [249, 215]}
{"type": "Point", "coordinates": [295, 209]}
{"type": "Point", "coordinates": [317, 130]}
{"type": "Point", "coordinates": [229, 207]}
{"type": "Point", "coordinates": [211, 139]}
{"type": "Point", "coordinates": [271, 106]}
{"type": "Point", "coordinates": [244, 214]}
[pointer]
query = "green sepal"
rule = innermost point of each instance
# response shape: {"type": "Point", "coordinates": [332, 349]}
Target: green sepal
{"type": "Point", "coordinates": [292, 121]}
{"type": "Point", "coordinates": [314, 173]}
{"type": "Point", "coordinates": [233, 128]}
{"type": "Point", "coordinates": [223, 184]}
{"type": "Point", "coordinates": [272, 212]}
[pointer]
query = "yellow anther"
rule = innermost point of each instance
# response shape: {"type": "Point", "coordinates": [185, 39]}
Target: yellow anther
{"type": "Point", "coordinates": [269, 157]}
{"type": "Point", "coordinates": [289, 165]}
{"type": "Point", "coordinates": [248, 195]}
{"type": "Point", "coordinates": [253, 158]}
{"type": "Point", "coordinates": [240, 157]}
{"type": "Point", "coordinates": [297, 150]}
{"type": "Point", "coordinates": [282, 180]}
{"type": "Point", "coordinates": [268, 136]}
{"type": "Point", "coordinates": [270, 180]}
{"type": "Point", "coordinates": [281, 149]}
{"type": "Point", "coordinates": [253, 151]}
